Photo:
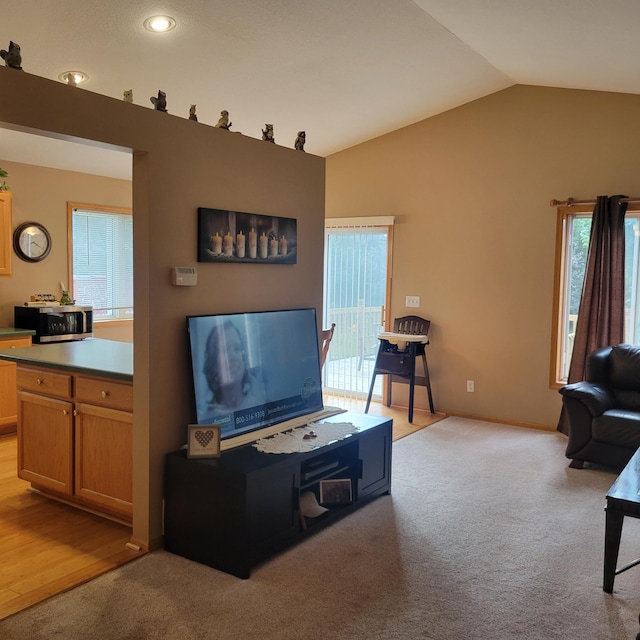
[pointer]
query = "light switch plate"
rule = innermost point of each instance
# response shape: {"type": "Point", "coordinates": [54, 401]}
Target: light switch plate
{"type": "Point", "coordinates": [412, 301]}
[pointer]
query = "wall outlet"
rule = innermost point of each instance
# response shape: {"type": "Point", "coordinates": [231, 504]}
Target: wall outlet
{"type": "Point", "coordinates": [471, 386]}
{"type": "Point", "coordinates": [412, 301]}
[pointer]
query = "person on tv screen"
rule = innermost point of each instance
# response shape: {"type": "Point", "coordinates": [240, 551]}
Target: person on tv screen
{"type": "Point", "coordinates": [232, 383]}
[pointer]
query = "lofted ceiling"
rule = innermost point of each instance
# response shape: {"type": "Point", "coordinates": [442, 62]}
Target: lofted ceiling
{"type": "Point", "coordinates": [344, 71]}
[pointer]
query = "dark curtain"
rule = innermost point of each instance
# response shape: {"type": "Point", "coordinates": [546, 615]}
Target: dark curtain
{"type": "Point", "coordinates": [601, 315]}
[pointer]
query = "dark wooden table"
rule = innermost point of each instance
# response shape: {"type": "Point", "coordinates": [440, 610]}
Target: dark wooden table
{"type": "Point", "coordinates": [622, 500]}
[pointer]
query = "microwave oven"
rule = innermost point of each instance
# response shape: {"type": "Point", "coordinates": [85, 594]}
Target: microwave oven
{"type": "Point", "coordinates": [55, 323]}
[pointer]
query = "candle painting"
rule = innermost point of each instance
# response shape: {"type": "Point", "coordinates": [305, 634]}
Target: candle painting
{"type": "Point", "coordinates": [236, 236]}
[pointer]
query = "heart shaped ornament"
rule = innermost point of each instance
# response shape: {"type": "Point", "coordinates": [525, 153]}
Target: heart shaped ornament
{"type": "Point", "coordinates": [203, 437]}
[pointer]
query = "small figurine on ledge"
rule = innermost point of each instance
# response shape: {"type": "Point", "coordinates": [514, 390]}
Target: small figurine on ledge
{"type": "Point", "coordinates": [192, 113]}
{"type": "Point", "coordinates": [12, 58]}
{"type": "Point", "coordinates": [223, 122]}
{"type": "Point", "coordinates": [267, 134]}
{"type": "Point", "coordinates": [127, 96]}
{"type": "Point", "coordinates": [160, 102]}
{"type": "Point", "coordinates": [300, 140]}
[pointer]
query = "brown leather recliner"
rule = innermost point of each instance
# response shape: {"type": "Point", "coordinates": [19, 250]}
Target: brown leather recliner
{"type": "Point", "coordinates": [604, 409]}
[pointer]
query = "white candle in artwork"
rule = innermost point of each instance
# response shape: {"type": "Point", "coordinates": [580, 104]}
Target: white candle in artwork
{"type": "Point", "coordinates": [252, 244]}
{"type": "Point", "coordinates": [273, 247]}
{"type": "Point", "coordinates": [240, 245]}
{"type": "Point", "coordinates": [227, 245]}
{"type": "Point", "coordinates": [263, 245]}
{"type": "Point", "coordinates": [284, 245]}
{"type": "Point", "coordinates": [216, 242]}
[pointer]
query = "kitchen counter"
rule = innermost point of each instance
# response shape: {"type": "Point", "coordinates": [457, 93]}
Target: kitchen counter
{"type": "Point", "coordinates": [75, 423]}
{"type": "Point", "coordinates": [92, 356]}
{"type": "Point", "coordinates": [11, 332]}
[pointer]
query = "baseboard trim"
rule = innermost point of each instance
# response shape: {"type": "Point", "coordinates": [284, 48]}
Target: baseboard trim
{"type": "Point", "coordinates": [515, 423]}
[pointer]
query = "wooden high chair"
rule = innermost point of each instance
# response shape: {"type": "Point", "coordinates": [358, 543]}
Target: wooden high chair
{"type": "Point", "coordinates": [397, 358]}
{"type": "Point", "coordinates": [327, 336]}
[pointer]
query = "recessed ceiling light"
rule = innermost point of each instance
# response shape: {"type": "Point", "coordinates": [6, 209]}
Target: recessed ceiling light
{"type": "Point", "coordinates": [159, 24]}
{"type": "Point", "coordinates": [73, 78]}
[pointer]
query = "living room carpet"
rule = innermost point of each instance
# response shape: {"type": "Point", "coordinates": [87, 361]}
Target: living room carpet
{"type": "Point", "coordinates": [487, 535]}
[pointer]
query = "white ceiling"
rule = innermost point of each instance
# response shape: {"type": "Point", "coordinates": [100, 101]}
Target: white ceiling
{"type": "Point", "coordinates": [345, 71]}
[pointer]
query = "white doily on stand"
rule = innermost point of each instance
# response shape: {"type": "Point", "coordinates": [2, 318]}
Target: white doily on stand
{"type": "Point", "coordinates": [294, 441]}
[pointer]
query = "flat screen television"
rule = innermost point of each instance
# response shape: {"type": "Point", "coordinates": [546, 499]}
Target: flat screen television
{"type": "Point", "coordinates": [254, 370]}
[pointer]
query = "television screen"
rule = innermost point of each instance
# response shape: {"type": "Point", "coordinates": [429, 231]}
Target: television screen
{"type": "Point", "coordinates": [253, 370]}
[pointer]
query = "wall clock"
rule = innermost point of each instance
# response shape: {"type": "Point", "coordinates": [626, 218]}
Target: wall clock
{"type": "Point", "coordinates": [31, 242]}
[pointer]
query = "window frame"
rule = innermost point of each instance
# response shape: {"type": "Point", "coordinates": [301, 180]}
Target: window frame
{"type": "Point", "coordinates": [98, 208]}
{"type": "Point", "coordinates": [560, 288]}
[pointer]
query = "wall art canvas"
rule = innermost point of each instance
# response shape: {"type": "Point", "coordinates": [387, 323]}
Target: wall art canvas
{"type": "Point", "coordinates": [234, 236]}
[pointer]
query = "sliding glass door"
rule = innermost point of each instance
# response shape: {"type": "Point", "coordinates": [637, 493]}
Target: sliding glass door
{"type": "Point", "coordinates": [357, 277]}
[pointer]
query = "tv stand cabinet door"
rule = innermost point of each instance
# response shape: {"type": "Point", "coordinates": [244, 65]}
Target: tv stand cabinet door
{"type": "Point", "coordinates": [272, 511]}
{"type": "Point", "coordinates": [375, 457]}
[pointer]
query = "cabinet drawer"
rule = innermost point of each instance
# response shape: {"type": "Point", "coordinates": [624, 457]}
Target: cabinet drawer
{"type": "Point", "coordinates": [106, 393]}
{"type": "Point", "coordinates": [45, 382]}
{"type": "Point", "coordinates": [15, 343]}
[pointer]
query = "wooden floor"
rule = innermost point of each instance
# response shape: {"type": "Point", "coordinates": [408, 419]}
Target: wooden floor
{"type": "Point", "coordinates": [47, 547]}
{"type": "Point", "coordinates": [401, 425]}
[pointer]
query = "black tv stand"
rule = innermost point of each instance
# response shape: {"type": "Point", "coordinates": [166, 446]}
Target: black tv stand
{"type": "Point", "coordinates": [235, 511]}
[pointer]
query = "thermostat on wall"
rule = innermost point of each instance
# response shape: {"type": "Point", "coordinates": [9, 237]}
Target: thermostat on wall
{"type": "Point", "coordinates": [184, 276]}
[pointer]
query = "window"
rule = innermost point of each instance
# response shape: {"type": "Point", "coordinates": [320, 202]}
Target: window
{"type": "Point", "coordinates": [573, 231]}
{"type": "Point", "coordinates": [101, 256]}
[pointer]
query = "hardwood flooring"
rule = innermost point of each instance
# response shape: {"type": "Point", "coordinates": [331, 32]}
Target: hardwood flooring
{"type": "Point", "coordinates": [401, 425]}
{"type": "Point", "coordinates": [47, 547]}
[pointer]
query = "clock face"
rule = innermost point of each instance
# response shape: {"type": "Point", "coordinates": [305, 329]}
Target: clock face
{"type": "Point", "coordinates": [31, 242]}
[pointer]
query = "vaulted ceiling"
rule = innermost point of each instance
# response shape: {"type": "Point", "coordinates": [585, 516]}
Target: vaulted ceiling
{"type": "Point", "coordinates": [344, 71]}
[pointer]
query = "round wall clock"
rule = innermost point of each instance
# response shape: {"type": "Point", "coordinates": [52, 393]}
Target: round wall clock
{"type": "Point", "coordinates": [31, 242]}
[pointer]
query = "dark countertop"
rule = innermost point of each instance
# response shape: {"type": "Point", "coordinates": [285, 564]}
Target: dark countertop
{"type": "Point", "coordinates": [92, 356]}
{"type": "Point", "coordinates": [10, 332]}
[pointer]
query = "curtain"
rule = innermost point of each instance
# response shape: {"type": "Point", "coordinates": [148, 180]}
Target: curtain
{"type": "Point", "coordinates": [601, 315]}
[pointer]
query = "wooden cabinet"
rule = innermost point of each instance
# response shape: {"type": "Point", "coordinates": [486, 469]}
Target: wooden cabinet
{"type": "Point", "coordinates": [8, 395]}
{"type": "Point", "coordinates": [75, 439]}
{"type": "Point", "coordinates": [45, 442]}
{"type": "Point", "coordinates": [103, 463]}
{"type": "Point", "coordinates": [5, 234]}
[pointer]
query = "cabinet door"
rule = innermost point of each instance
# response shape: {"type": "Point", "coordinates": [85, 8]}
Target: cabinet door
{"type": "Point", "coordinates": [104, 458]}
{"type": "Point", "coordinates": [8, 396]}
{"type": "Point", "coordinates": [45, 442]}
{"type": "Point", "coordinates": [8, 391]}
{"type": "Point", "coordinates": [272, 519]}
{"type": "Point", "coordinates": [375, 453]}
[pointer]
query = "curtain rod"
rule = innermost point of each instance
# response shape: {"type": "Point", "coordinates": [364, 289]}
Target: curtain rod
{"type": "Point", "coordinates": [570, 202]}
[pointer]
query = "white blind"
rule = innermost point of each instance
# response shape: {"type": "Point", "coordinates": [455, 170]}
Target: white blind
{"type": "Point", "coordinates": [103, 262]}
{"type": "Point", "coordinates": [355, 291]}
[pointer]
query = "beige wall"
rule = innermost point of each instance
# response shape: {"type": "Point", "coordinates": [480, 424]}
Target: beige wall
{"type": "Point", "coordinates": [475, 234]}
{"type": "Point", "coordinates": [178, 166]}
{"type": "Point", "coordinates": [41, 194]}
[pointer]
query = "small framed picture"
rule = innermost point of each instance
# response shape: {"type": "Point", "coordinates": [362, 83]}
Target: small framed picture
{"type": "Point", "coordinates": [336, 491]}
{"type": "Point", "coordinates": [203, 441]}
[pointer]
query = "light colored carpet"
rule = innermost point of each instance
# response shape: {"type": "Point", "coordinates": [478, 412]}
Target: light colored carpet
{"type": "Point", "coordinates": [487, 535]}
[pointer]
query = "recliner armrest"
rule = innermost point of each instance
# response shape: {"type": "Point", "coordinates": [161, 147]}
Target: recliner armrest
{"type": "Point", "coordinates": [595, 397]}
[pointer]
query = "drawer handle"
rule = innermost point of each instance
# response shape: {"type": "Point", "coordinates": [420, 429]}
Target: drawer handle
{"type": "Point", "coordinates": [13, 346]}
{"type": "Point", "coordinates": [104, 394]}
{"type": "Point", "coordinates": [39, 381]}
